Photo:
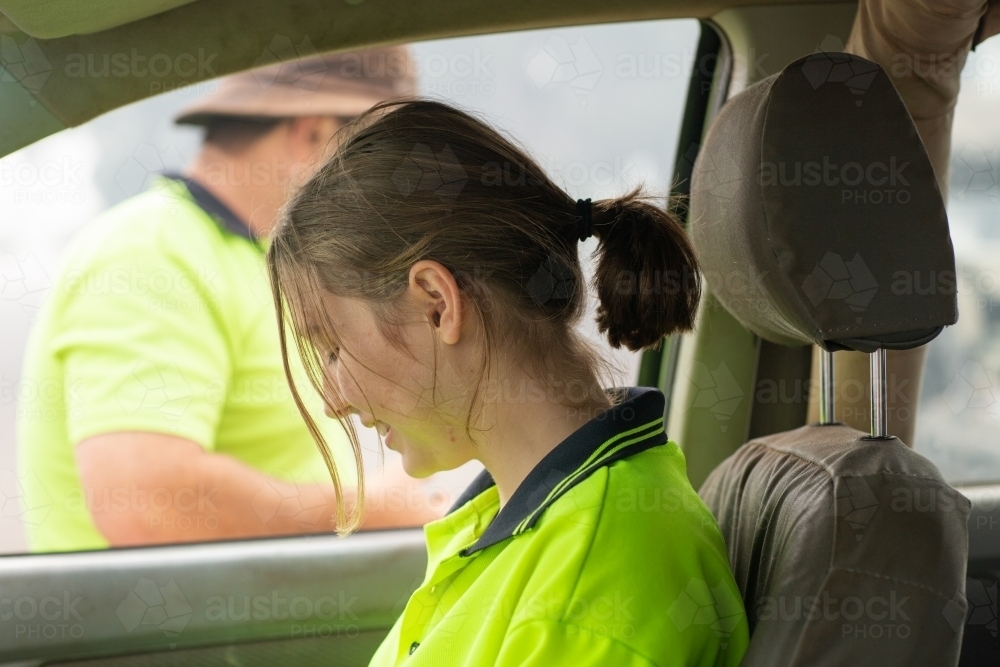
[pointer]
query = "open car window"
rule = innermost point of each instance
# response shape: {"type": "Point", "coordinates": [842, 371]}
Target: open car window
{"type": "Point", "coordinates": [599, 106]}
{"type": "Point", "coordinates": [958, 423]}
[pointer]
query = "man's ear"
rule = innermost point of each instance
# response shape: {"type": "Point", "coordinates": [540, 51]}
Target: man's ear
{"type": "Point", "coordinates": [435, 290]}
{"type": "Point", "coordinates": [310, 137]}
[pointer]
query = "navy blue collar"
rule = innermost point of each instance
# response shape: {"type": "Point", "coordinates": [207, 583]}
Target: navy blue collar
{"type": "Point", "coordinates": [633, 425]}
{"type": "Point", "coordinates": [222, 214]}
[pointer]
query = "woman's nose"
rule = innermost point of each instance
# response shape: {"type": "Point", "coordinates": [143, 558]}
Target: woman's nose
{"type": "Point", "coordinates": [367, 419]}
{"type": "Point", "coordinates": [337, 408]}
{"type": "Point", "coordinates": [334, 406]}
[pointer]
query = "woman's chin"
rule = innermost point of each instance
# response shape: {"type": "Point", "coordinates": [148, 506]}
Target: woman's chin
{"type": "Point", "coordinates": [415, 468]}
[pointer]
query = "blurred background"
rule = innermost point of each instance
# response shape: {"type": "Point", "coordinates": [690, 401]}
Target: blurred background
{"type": "Point", "coordinates": [599, 107]}
{"type": "Point", "coordinates": [958, 423]}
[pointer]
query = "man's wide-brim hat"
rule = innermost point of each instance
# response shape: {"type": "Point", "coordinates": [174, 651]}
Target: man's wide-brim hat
{"type": "Point", "coordinates": [338, 84]}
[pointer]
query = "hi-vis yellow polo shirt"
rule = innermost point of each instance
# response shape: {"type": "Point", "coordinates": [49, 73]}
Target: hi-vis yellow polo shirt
{"type": "Point", "coordinates": [603, 556]}
{"type": "Point", "coordinates": [161, 321]}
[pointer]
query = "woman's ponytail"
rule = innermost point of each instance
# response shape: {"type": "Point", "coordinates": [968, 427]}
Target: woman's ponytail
{"type": "Point", "coordinates": [647, 278]}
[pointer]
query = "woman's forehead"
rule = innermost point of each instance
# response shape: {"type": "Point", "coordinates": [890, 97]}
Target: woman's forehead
{"type": "Point", "coordinates": [330, 315]}
{"type": "Point", "coordinates": [314, 319]}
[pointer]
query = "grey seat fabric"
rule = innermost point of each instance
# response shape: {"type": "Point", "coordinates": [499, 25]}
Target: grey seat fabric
{"type": "Point", "coordinates": [846, 549]}
{"type": "Point", "coordinates": [816, 213]}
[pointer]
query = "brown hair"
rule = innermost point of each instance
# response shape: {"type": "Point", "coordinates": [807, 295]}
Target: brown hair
{"type": "Point", "coordinates": [414, 180]}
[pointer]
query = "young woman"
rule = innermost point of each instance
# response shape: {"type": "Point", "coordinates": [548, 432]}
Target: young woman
{"type": "Point", "coordinates": [430, 274]}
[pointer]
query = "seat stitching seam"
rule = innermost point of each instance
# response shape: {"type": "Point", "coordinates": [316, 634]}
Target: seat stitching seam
{"type": "Point", "coordinates": [878, 328]}
{"type": "Point", "coordinates": [941, 595]}
{"type": "Point", "coordinates": [828, 470]}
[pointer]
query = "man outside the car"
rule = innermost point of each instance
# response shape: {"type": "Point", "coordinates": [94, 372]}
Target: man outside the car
{"type": "Point", "coordinates": [163, 413]}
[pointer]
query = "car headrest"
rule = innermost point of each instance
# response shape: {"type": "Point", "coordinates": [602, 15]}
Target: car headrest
{"type": "Point", "coordinates": [816, 214]}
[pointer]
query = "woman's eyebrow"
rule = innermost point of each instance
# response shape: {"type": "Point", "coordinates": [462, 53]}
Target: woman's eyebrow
{"type": "Point", "coordinates": [311, 331]}
{"type": "Point", "coordinates": [318, 333]}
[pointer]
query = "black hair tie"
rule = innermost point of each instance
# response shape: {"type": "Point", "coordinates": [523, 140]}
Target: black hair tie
{"type": "Point", "coordinates": [585, 224]}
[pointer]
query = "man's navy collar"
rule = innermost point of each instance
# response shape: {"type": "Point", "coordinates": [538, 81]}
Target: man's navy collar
{"type": "Point", "coordinates": [211, 204]}
{"type": "Point", "coordinates": [633, 425]}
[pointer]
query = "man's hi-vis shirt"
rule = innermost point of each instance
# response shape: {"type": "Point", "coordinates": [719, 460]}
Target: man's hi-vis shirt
{"type": "Point", "coordinates": [161, 321]}
{"type": "Point", "coordinates": [604, 555]}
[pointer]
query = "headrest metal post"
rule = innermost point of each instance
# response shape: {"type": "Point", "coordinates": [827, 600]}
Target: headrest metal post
{"type": "Point", "coordinates": [878, 373]}
{"type": "Point", "coordinates": [827, 388]}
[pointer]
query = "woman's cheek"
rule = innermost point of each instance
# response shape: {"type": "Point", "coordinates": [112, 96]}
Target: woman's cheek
{"type": "Point", "coordinates": [349, 387]}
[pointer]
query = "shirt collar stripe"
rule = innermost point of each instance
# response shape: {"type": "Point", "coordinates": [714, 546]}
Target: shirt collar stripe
{"type": "Point", "coordinates": [583, 471]}
{"type": "Point", "coordinates": [604, 451]}
{"type": "Point", "coordinates": [637, 412]}
{"type": "Point", "coordinates": [221, 214]}
{"type": "Point", "coordinates": [600, 452]}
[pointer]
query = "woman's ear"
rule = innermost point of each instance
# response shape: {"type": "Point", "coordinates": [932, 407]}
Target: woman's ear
{"type": "Point", "coordinates": [435, 290]}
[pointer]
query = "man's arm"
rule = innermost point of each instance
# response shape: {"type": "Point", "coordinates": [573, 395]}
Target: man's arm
{"type": "Point", "coordinates": [151, 488]}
